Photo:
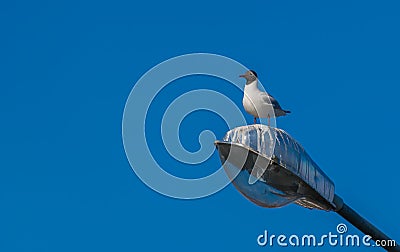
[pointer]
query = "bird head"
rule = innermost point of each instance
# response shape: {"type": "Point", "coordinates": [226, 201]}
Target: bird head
{"type": "Point", "coordinates": [250, 76]}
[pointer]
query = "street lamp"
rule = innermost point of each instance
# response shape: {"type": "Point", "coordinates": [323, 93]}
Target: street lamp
{"type": "Point", "coordinates": [271, 169]}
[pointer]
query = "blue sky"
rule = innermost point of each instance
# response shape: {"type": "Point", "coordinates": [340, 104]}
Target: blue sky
{"type": "Point", "coordinates": [67, 68]}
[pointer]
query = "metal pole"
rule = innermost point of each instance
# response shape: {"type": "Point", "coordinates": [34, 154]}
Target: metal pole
{"type": "Point", "coordinates": [362, 224]}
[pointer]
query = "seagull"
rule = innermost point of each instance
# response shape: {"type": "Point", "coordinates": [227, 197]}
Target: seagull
{"type": "Point", "coordinates": [258, 103]}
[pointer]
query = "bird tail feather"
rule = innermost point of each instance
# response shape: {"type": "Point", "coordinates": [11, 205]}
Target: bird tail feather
{"type": "Point", "coordinates": [287, 111]}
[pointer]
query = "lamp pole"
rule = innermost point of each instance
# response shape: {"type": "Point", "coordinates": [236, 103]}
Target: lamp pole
{"type": "Point", "coordinates": [364, 225]}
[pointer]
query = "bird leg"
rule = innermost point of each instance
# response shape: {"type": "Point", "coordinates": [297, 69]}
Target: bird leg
{"type": "Point", "coordinates": [269, 120]}
{"type": "Point", "coordinates": [255, 120]}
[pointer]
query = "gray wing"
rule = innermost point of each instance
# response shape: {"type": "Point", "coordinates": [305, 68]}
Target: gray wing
{"type": "Point", "coordinates": [269, 99]}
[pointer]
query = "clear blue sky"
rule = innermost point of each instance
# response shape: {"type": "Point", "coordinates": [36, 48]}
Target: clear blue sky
{"type": "Point", "coordinates": [67, 68]}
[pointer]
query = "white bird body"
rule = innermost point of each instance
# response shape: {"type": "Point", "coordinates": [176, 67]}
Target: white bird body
{"type": "Point", "coordinates": [252, 102]}
{"type": "Point", "coordinates": [260, 104]}
{"type": "Point", "coordinates": [257, 103]}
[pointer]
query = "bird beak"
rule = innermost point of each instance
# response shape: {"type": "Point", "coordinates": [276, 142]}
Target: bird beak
{"type": "Point", "coordinates": [242, 76]}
